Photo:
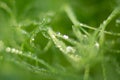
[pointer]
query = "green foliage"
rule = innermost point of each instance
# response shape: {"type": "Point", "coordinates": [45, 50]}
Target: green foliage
{"type": "Point", "coordinates": [46, 40]}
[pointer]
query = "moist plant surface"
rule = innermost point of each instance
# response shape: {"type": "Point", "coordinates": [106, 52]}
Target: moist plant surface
{"type": "Point", "coordinates": [59, 40]}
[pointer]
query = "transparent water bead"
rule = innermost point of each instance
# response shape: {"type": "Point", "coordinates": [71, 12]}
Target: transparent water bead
{"type": "Point", "coordinates": [32, 39]}
{"type": "Point", "coordinates": [58, 33]}
{"type": "Point", "coordinates": [13, 50]}
{"type": "Point", "coordinates": [97, 45]}
{"type": "Point", "coordinates": [8, 49]}
{"type": "Point", "coordinates": [16, 51]}
{"type": "Point", "coordinates": [65, 37]}
{"type": "Point", "coordinates": [20, 52]}
{"type": "Point", "coordinates": [61, 48]}
{"type": "Point", "coordinates": [70, 49]}
{"type": "Point", "coordinates": [75, 57]}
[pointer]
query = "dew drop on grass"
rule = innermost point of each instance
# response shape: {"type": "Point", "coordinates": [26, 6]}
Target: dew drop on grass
{"type": "Point", "coordinates": [13, 50]}
{"type": "Point", "coordinates": [32, 39]}
{"type": "Point", "coordinates": [97, 45]}
{"type": "Point", "coordinates": [75, 57]}
{"type": "Point", "coordinates": [70, 49]}
{"type": "Point", "coordinates": [65, 37]}
{"type": "Point", "coordinates": [20, 52]}
{"type": "Point", "coordinates": [58, 33]}
{"type": "Point", "coordinates": [17, 51]}
{"type": "Point", "coordinates": [60, 47]}
{"type": "Point", "coordinates": [8, 49]}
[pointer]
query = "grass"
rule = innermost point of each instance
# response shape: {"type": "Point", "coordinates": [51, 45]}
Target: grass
{"type": "Point", "coordinates": [39, 44]}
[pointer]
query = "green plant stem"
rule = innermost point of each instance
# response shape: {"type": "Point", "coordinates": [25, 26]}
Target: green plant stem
{"type": "Point", "coordinates": [71, 15]}
{"type": "Point", "coordinates": [104, 71]}
{"type": "Point", "coordinates": [49, 44]}
{"type": "Point", "coordinates": [74, 20]}
{"type": "Point", "coordinates": [106, 22]}
{"type": "Point", "coordinates": [86, 74]}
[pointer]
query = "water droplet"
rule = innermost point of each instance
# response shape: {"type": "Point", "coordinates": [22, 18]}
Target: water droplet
{"type": "Point", "coordinates": [60, 47]}
{"type": "Point", "coordinates": [70, 49]}
{"type": "Point", "coordinates": [16, 51]}
{"type": "Point", "coordinates": [85, 36]}
{"type": "Point", "coordinates": [20, 52]}
{"type": "Point", "coordinates": [58, 33]}
{"type": "Point", "coordinates": [65, 37]}
{"type": "Point", "coordinates": [13, 50]}
{"type": "Point", "coordinates": [32, 39]}
{"type": "Point", "coordinates": [97, 44]}
{"type": "Point", "coordinates": [8, 49]}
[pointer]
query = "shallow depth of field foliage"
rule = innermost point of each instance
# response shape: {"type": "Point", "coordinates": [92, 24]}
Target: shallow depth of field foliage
{"type": "Point", "coordinates": [59, 39]}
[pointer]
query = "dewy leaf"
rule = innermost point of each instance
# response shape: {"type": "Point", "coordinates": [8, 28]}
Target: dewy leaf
{"type": "Point", "coordinates": [67, 50]}
{"type": "Point", "coordinates": [43, 61]}
{"type": "Point", "coordinates": [57, 42]}
{"type": "Point", "coordinates": [28, 55]}
{"type": "Point", "coordinates": [74, 20]}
